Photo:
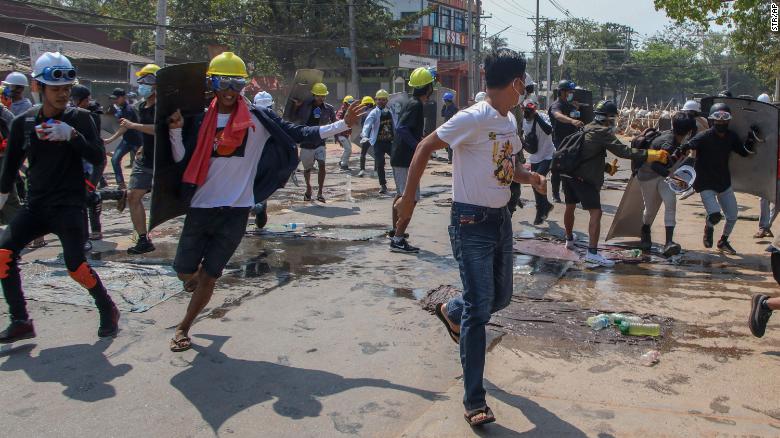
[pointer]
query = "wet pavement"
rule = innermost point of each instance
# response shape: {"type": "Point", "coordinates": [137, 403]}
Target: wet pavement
{"type": "Point", "coordinates": [324, 332]}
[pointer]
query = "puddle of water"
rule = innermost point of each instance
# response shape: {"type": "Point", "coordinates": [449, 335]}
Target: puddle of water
{"type": "Point", "coordinates": [414, 294]}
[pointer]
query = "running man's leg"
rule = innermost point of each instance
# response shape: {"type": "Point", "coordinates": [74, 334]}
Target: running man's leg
{"type": "Point", "coordinates": [116, 161]}
{"type": "Point", "coordinates": [364, 147]}
{"type": "Point", "coordinates": [24, 227]}
{"type": "Point", "coordinates": [347, 153]}
{"type": "Point", "coordinates": [307, 161]}
{"type": "Point", "coordinates": [652, 200]}
{"type": "Point", "coordinates": [379, 164]}
{"type": "Point", "coordinates": [728, 201]}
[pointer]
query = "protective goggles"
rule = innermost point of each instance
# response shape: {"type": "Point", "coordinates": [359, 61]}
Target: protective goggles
{"type": "Point", "coordinates": [222, 83]}
{"type": "Point", "coordinates": [148, 80]}
{"type": "Point", "coordinates": [56, 74]}
{"type": "Point", "coordinates": [720, 115]}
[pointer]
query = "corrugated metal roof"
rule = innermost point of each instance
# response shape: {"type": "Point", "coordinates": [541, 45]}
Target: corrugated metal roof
{"type": "Point", "coordinates": [82, 50]}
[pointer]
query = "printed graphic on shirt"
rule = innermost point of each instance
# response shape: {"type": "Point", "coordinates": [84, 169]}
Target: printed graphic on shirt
{"type": "Point", "coordinates": [385, 127]}
{"type": "Point", "coordinates": [222, 151]}
{"type": "Point", "coordinates": [502, 159]}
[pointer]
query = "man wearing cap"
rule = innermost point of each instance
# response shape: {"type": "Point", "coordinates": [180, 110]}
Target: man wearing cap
{"type": "Point", "coordinates": [234, 157]}
{"type": "Point", "coordinates": [378, 131]}
{"type": "Point", "coordinates": [54, 139]}
{"type": "Point", "coordinates": [314, 111]}
{"type": "Point", "coordinates": [564, 117]}
{"type": "Point", "coordinates": [15, 83]}
{"type": "Point", "coordinates": [131, 139]}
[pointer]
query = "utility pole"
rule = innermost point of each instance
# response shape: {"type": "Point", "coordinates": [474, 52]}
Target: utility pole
{"type": "Point", "coordinates": [536, 42]}
{"type": "Point", "coordinates": [470, 48]}
{"type": "Point", "coordinates": [777, 89]}
{"type": "Point", "coordinates": [159, 43]}
{"type": "Point", "coordinates": [353, 85]}
{"type": "Point", "coordinates": [478, 61]}
{"type": "Point", "coordinates": [548, 91]}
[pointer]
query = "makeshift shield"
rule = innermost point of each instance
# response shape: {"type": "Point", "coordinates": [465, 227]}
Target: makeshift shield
{"type": "Point", "coordinates": [628, 218]}
{"type": "Point", "coordinates": [301, 89]}
{"type": "Point", "coordinates": [181, 87]}
{"type": "Point", "coordinates": [757, 173]}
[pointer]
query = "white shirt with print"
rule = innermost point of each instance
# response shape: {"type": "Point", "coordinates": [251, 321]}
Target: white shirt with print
{"type": "Point", "coordinates": [483, 144]}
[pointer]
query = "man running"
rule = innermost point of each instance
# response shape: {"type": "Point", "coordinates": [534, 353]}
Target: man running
{"type": "Point", "coordinates": [713, 178]}
{"type": "Point", "coordinates": [314, 111]}
{"type": "Point", "coordinates": [762, 306]}
{"type": "Point", "coordinates": [343, 138]}
{"type": "Point", "coordinates": [484, 139]}
{"type": "Point", "coordinates": [143, 167]}
{"type": "Point", "coordinates": [655, 190]}
{"type": "Point", "coordinates": [378, 131]}
{"type": "Point", "coordinates": [408, 133]}
{"type": "Point", "coordinates": [583, 185]}
{"type": "Point", "coordinates": [230, 174]}
{"type": "Point", "coordinates": [131, 139]}
{"type": "Point", "coordinates": [447, 111]}
{"type": "Point", "coordinates": [369, 104]}
{"type": "Point", "coordinates": [15, 83]}
{"type": "Point", "coordinates": [54, 139]}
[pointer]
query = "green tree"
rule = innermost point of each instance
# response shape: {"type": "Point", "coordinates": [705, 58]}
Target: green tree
{"type": "Point", "coordinates": [749, 25]}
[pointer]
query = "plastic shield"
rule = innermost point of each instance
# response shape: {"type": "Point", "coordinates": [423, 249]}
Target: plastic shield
{"type": "Point", "coordinates": [301, 88]}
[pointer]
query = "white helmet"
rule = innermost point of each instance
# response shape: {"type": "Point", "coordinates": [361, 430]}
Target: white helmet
{"type": "Point", "coordinates": [692, 105]}
{"type": "Point", "coordinates": [480, 96]}
{"type": "Point", "coordinates": [682, 179]}
{"type": "Point", "coordinates": [16, 78]}
{"type": "Point", "coordinates": [53, 68]}
{"type": "Point", "coordinates": [762, 98]}
{"type": "Point", "coordinates": [264, 99]}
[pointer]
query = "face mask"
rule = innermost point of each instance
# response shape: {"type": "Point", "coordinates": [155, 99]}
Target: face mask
{"type": "Point", "coordinates": [145, 90]}
{"type": "Point", "coordinates": [569, 97]}
{"type": "Point", "coordinates": [520, 96]}
{"type": "Point", "coordinates": [721, 129]}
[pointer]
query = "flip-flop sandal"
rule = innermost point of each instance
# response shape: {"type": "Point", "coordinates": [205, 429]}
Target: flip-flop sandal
{"type": "Point", "coordinates": [307, 197]}
{"type": "Point", "coordinates": [321, 199]}
{"type": "Point", "coordinates": [487, 418]}
{"type": "Point", "coordinates": [182, 344]}
{"type": "Point", "coordinates": [453, 334]}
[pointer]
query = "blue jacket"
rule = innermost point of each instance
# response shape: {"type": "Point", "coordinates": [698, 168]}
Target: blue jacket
{"type": "Point", "coordinates": [371, 125]}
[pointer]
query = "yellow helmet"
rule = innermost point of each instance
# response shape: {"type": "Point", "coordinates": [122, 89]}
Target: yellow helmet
{"type": "Point", "coordinates": [148, 69]}
{"type": "Point", "coordinates": [227, 64]}
{"type": "Point", "coordinates": [348, 99]}
{"type": "Point", "coordinates": [368, 100]}
{"type": "Point", "coordinates": [319, 89]}
{"type": "Point", "coordinates": [422, 76]}
{"type": "Point", "coordinates": [382, 94]}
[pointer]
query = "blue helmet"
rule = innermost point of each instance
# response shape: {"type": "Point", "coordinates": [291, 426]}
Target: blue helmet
{"type": "Point", "coordinates": [449, 96]}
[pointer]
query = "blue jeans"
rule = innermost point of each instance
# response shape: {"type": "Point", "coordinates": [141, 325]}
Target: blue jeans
{"type": "Point", "coordinates": [481, 241]}
{"type": "Point", "coordinates": [123, 149]}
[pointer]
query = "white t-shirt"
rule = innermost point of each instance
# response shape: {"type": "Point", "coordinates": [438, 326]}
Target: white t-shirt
{"type": "Point", "coordinates": [230, 180]}
{"type": "Point", "coordinates": [483, 144]}
{"type": "Point", "coordinates": [546, 146]}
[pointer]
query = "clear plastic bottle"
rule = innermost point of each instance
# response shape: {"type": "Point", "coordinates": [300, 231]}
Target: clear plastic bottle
{"type": "Point", "coordinates": [639, 329]}
{"type": "Point", "coordinates": [598, 322]}
{"type": "Point", "coordinates": [294, 226]}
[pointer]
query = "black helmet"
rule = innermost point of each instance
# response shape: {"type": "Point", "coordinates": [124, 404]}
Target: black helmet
{"type": "Point", "coordinates": [566, 85]}
{"type": "Point", "coordinates": [606, 108]}
{"type": "Point", "coordinates": [719, 107]}
{"type": "Point", "coordinates": [79, 92]}
{"type": "Point", "coordinates": [529, 89]}
{"type": "Point", "coordinates": [725, 93]}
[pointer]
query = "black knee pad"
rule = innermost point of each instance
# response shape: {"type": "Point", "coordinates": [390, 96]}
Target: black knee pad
{"type": "Point", "coordinates": [714, 218]}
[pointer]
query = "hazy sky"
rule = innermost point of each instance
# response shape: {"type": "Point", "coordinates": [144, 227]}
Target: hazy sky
{"type": "Point", "coordinates": [639, 14]}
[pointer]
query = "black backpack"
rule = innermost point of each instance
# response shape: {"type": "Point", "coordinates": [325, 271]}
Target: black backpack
{"type": "Point", "coordinates": [643, 140]}
{"type": "Point", "coordinates": [531, 140]}
{"type": "Point", "coordinates": [567, 157]}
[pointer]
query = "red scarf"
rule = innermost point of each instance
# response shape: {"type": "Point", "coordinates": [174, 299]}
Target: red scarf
{"type": "Point", "coordinates": [229, 139]}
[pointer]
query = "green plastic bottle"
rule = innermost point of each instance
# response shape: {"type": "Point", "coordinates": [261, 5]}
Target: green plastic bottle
{"type": "Point", "coordinates": [617, 318]}
{"type": "Point", "coordinates": [639, 329]}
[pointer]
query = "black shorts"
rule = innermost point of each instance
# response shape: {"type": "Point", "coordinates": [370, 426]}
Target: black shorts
{"type": "Point", "coordinates": [577, 191]}
{"type": "Point", "coordinates": [209, 238]}
{"type": "Point", "coordinates": [141, 177]}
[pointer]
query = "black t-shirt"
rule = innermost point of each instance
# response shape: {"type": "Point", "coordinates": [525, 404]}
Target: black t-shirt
{"type": "Point", "coordinates": [146, 117]}
{"type": "Point", "coordinates": [132, 136]}
{"type": "Point", "coordinates": [385, 134]}
{"type": "Point", "coordinates": [408, 133]}
{"type": "Point", "coordinates": [55, 176]}
{"type": "Point", "coordinates": [561, 130]}
{"type": "Point", "coordinates": [712, 159]}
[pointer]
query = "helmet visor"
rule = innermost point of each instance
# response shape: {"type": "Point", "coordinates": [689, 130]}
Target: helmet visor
{"type": "Point", "coordinates": [222, 83]}
{"type": "Point", "coordinates": [148, 79]}
{"type": "Point", "coordinates": [721, 115]}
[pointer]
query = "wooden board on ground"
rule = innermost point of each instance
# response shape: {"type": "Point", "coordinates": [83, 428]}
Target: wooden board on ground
{"type": "Point", "coordinates": [628, 218]}
{"type": "Point", "coordinates": [546, 249]}
{"type": "Point", "coordinates": [301, 89]}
